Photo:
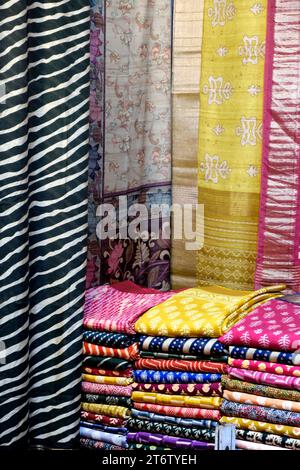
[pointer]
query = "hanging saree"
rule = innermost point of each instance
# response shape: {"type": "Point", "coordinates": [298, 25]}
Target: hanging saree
{"type": "Point", "coordinates": [231, 91]}
{"type": "Point", "coordinates": [187, 35]}
{"type": "Point", "coordinates": [137, 137]}
{"type": "Point", "coordinates": [279, 229]}
{"type": "Point", "coordinates": [96, 137]}
{"type": "Point", "coordinates": [44, 76]}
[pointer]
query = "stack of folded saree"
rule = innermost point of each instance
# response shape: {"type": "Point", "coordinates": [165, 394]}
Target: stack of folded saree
{"type": "Point", "coordinates": [177, 380]}
{"type": "Point", "coordinates": [262, 388]}
{"type": "Point", "coordinates": [110, 346]}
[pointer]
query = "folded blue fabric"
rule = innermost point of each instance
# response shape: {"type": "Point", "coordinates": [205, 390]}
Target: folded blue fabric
{"type": "Point", "coordinates": [116, 439]}
{"type": "Point", "coordinates": [171, 377]}
{"type": "Point", "coordinates": [193, 346]}
{"type": "Point", "coordinates": [242, 352]}
{"type": "Point", "coordinates": [103, 427]}
{"type": "Point", "coordinates": [110, 340]}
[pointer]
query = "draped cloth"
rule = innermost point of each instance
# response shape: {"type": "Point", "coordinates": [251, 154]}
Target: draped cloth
{"type": "Point", "coordinates": [96, 137]}
{"type": "Point", "coordinates": [44, 76]}
{"type": "Point", "coordinates": [274, 325]}
{"type": "Point", "coordinates": [279, 229]}
{"type": "Point", "coordinates": [131, 145]}
{"type": "Point", "coordinates": [206, 311]}
{"type": "Point", "coordinates": [187, 35]}
{"type": "Point", "coordinates": [231, 91]}
{"type": "Point", "coordinates": [116, 308]}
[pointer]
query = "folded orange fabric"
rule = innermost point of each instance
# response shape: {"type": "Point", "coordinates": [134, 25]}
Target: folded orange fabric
{"type": "Point", "coordinates": [181, 365]}
{"type": "Point", "coordinates": [130, 353]}
{"type": "Point", "coordinates": [249, 399]}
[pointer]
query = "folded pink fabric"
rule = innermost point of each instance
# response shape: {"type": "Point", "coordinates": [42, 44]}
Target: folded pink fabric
{"type": "Point", "coordinates": [118, 307]}
{"type": "Point", "coordinates": [261, 366]}
{"type": "Point", "coordinates": [105, 389]}
{"type": "Point", "coordinates": [273, 325]}
{"type": "Point", "coordinates": [264, 378]}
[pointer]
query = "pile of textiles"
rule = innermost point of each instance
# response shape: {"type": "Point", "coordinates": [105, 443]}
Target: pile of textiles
{"type": "Point", "coordinates": [262, 387]}
{"type": "Point", "coordinates": [110, 347]}
{"type": "Point", "coordinates": [177, 379]}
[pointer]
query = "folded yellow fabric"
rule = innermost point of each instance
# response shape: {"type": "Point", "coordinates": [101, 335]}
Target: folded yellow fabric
{"type": "Point", "coordinates": [103, 379]}
{"type": "Point", "coordinates": [177, 400]}
{"type": "Point", "coordinates": [249, 399]}
{"type": "Point", "coordinates": [206, 311]}
{"type": "Point", "coordinates": [280, 429]}
{"type": "Point", "coordinates": [107, 410]}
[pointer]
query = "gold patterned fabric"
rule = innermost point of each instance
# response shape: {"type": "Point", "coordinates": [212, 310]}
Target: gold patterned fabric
{"type": "Point", "coordinates": [282, 430]}
{"type": "Point", "coordinates": [230, 140]}
{"type": "Point", "coordinates": [102, 379]}
{"type": "Point", "coordinates": [107, 410]}
{"type": "Point", "coordinates": [206, 311]}
{"type": "Point", "coordinates": [177, 400]}
{"type": "Point", "coordinates": [187, 38]}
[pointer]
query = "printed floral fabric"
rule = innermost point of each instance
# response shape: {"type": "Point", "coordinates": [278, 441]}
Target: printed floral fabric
{"type": "Point", "coordinates": [281, 369]}
{"type": "Point", "coordinates": [111, 309]}
{"type": "Point", "coordinates": [264, 378]}
{"type": "Point", "coordinates": [205, 311]}
{"type": "Point", "coordinates": [130, 353]}
{"type": "Point", "coordinates": [96, 138]}
{"type": "Point", "coordinates": [262, 401]}
{"type": "Point", "coordinates": [173, 442]}
{"type": "Point", "coordinates": [101, 379]}
{"type": "Point", "coordinates": [101, 427]}
{"type": "Point", "coordinates": [270, 439]}
{"type": "Point", "coordinates": [109, 438]}
{"type": "Point", "coordinates": [92, 444]}
{"type": "Point", "coordinates": [186, 346]}
{"type": "Point", "coordinates": [106, 399]}
{"type": "Point", "coordinates": [210, 390]}
{"type": "Point", "coordinates": [262, 390]}
{"type": "Point", "coordinates": [137, 162]}
{"type": "Point", "coordinates": [106, 389]}
{"type": "Point", "coordinates": [135, 133]}
{"type": "Point", "coordinates": [243, 352]}
{"type": "Point", "coordinates": [111, 363]}
{"type": "Point", "coordinates": [109, 340]}
{"type": "Point", "coordinates": [231, 111]}
{"type": "Point", "coordinates": [273, 325]}
{"type": "Point", "coordinates": [170, 377]}
{"type": "Point", "coordinates": [171, 429]}
{"type": "Point", "coordinates": [177, 400]}
{"type": "Point", "coordinates": [93, 417]}
{"type": "Point", "coordinates": [196, 423]}
{"type": "Point", "coordinates": [253, 425]}
{"type": "Point", "coordinates": [138, 95]}
{"type": "Point", "coordinates": [108, 410]}
{"type": "Point", "coordinates": [179, 411]}
{"type": "Point", "coordinates": [260, 413]}
{"type": "Point", "coordinates": [180, 365]}
{"type": "Point", "coordinates": [111, 373]}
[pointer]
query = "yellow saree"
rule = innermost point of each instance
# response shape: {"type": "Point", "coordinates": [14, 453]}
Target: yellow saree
{"type": "Point", "coordinates": [230, 146]}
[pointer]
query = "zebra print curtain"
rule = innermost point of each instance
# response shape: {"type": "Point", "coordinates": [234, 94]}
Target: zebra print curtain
{"type": "Point", "coordinates": [44, 91]}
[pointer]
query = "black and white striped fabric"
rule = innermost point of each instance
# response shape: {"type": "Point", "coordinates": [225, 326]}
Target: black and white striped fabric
{"type": "Point", "coordinates": [44, 91]}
